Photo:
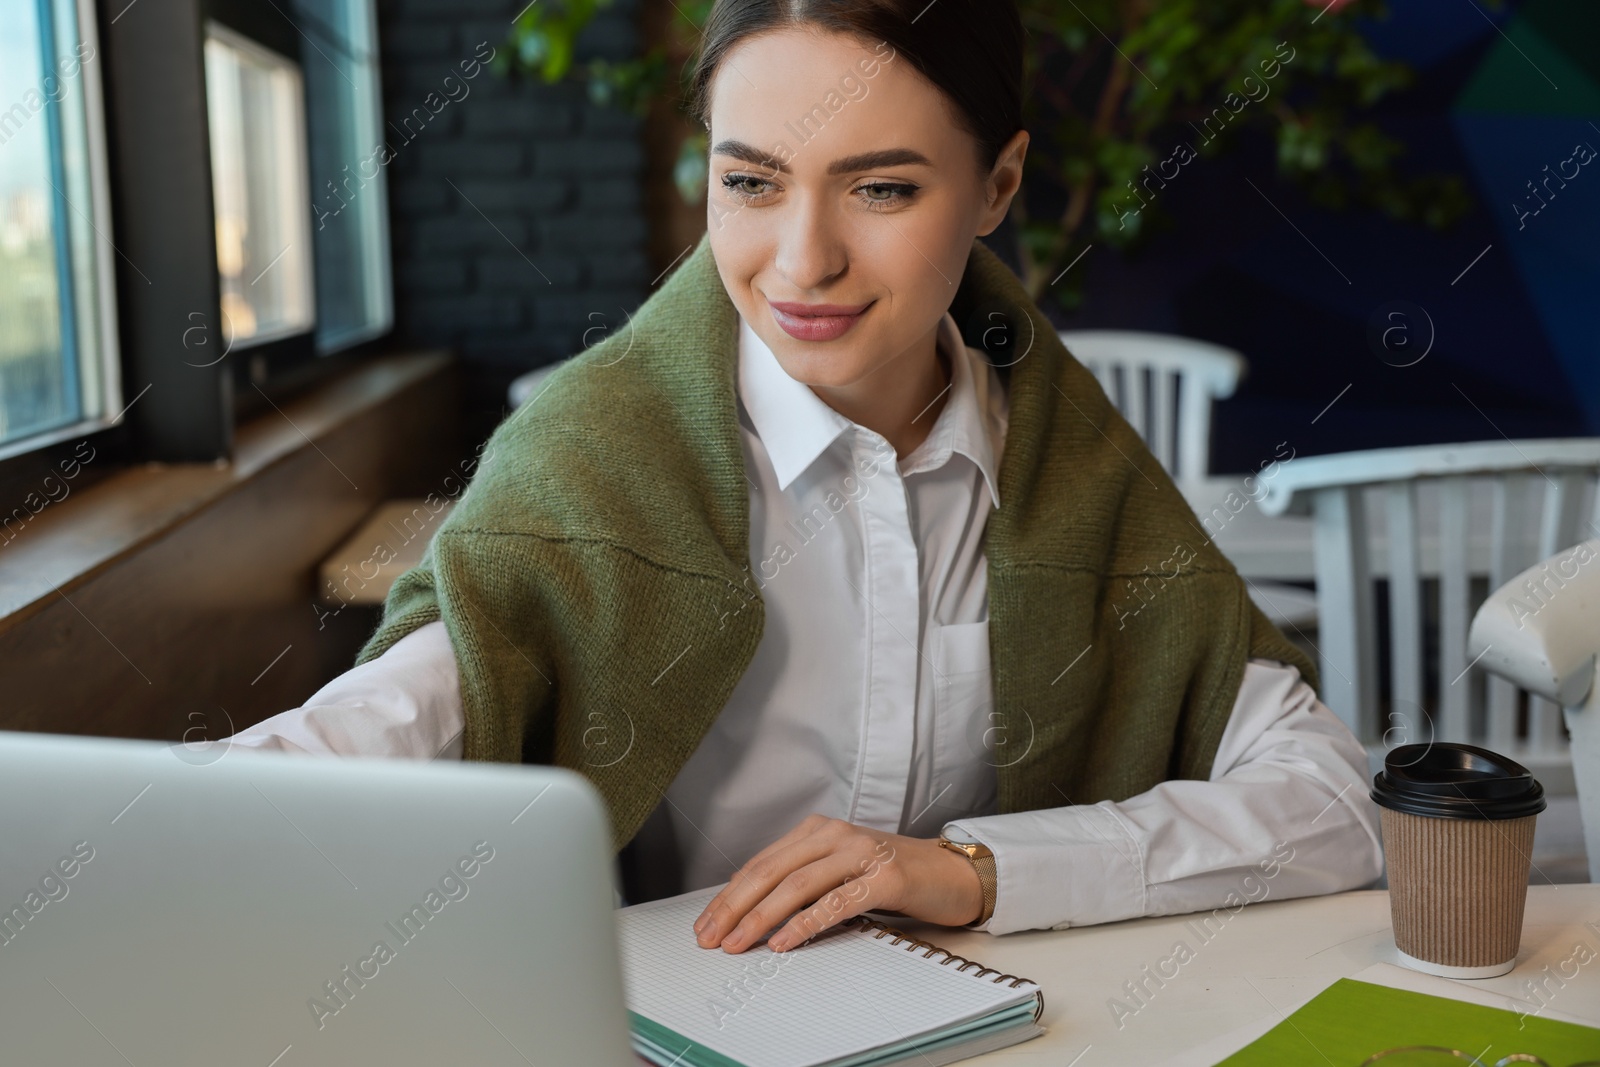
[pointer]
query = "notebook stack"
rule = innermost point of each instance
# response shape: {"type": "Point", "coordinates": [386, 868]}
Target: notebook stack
{"type": "Point", "coordinates": [857, 995]}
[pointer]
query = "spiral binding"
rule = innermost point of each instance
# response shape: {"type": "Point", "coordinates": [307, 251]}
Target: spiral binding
{"type": "Point", "coordinates": [883, 929]}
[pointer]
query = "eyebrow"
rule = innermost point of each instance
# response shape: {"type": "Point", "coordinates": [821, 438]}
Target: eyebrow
{"type": "Point", "coordinates": [883, 157]}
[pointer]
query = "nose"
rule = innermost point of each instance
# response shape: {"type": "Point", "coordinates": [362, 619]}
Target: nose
{"type": "Point", "coordinates": [811, 251]}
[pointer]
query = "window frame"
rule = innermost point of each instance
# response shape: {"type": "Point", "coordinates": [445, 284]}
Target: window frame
{"type": "Point", "coordinates": [291, 364]}
{"type": "Point", "coordinates": [59, 442]}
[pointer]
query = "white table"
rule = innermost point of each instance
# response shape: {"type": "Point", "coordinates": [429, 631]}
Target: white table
{"type": "Point", "coordinates": [1267, 959]}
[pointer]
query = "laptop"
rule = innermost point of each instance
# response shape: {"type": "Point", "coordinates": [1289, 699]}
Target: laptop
{"type": "Point", "coordinates": [176, 905]}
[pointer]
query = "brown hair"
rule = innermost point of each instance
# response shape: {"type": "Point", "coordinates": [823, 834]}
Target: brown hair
{"type": "Point", "coordinates": [970, 49]}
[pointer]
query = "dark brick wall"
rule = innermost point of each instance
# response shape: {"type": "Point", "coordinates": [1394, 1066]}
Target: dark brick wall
{"type": "Point", "coordinates": [516, 218]}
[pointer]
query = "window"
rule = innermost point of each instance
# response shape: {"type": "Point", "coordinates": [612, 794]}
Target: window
{"type": "Point", "coordinates": [255, 103]}
{"type": "Point", "coordinates": [58, 350]}
{"type": "Point", "coordinates": [295, 119]}
{"type": "Point", "coordinates": [271, 121]}
{"type": "Point", "coordinates": [256, 225]}
{"type": "Point", "coordinates": [348, 196]}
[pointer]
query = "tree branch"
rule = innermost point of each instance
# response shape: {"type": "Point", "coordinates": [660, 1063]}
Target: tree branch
{"type": "Point", "coordinates": [1106, 110]}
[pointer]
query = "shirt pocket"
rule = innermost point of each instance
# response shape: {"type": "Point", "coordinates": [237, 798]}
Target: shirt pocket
{"type": "Point", "coordinates": [965, 736]}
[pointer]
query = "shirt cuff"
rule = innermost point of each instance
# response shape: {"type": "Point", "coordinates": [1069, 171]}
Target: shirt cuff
{"type": "Point", "coordinates": [1063, 867]}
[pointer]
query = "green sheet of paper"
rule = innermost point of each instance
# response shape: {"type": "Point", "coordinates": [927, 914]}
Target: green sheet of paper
{"type": "Point", "coordinates": [1350, 1020]}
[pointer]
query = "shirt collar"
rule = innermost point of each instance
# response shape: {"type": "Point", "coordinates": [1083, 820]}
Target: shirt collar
{"type": "Point", "coordinates": [796, 426]}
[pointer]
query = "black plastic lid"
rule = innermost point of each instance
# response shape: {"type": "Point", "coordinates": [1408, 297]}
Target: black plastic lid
{"type": "Point", "coordinates": [1455, 781]}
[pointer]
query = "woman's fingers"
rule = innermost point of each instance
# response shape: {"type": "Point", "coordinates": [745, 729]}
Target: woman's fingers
{"type": "Point", "coordinates": [813, 897]}
{"type": "Point", "coordinates": [852, 898]}
{"type": "Point", "coordinates": [825, 871]}
{"type": "Point", "coordinates": [758, 877]}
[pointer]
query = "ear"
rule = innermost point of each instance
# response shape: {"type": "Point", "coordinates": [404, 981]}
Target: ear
{"type": "Point", "coordinates": [1003, 182]}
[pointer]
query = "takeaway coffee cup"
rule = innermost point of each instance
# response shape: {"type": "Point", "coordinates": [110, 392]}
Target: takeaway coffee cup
{"type": "Point", "coordinates": [1457, 838]}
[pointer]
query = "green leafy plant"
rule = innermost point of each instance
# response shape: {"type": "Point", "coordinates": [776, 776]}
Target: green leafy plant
{"type": "Point", "coordinates": [1121, 97]}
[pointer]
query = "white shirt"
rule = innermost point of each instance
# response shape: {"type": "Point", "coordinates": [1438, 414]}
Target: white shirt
{"type": "Point", "coordinates": [868, 695]}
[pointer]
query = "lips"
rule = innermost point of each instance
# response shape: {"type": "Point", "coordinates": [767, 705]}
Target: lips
{"type": "Point", "coordinates": [817, 322]}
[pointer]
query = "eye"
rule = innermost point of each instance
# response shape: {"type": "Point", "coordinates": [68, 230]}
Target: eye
{"type": "Point", "coordinates": [733, 182]}
{"type": "Point", "coordinates": [898, 193]}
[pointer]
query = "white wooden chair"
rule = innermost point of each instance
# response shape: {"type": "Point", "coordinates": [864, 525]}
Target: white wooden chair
{"type": "Point", "coordinates": [1164, 386]}
{"type": "Point", "coordinates": [1548, 643]}
{"type": "Point", "coordinates": [1449, 513]}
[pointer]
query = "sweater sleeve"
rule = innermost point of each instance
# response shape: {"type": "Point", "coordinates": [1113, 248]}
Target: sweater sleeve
{"type": "Point", "coordinates": [479, 584]}
{"type": "Point", "coordinates": [410, 603]}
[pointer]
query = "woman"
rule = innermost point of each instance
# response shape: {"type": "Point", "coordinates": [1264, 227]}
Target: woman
{"type": "Point", "coordinates": [744, 562]}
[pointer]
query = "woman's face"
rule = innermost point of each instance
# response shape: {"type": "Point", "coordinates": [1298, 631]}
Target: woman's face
{"type": "Point", "coordinates": [838, 176]}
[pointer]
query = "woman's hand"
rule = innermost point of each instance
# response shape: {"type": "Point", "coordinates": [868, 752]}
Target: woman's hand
{"type": "Point", "coordinates": [833, 870]}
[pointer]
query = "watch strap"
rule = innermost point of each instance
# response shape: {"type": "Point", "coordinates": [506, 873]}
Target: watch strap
{"type": "Point", "coordinates": [982, 860]}
{"type": "Point", "coordinates": [986, 879]}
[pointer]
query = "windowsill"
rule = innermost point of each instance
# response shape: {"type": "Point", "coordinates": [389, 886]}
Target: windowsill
{"type": "Point", "coordinates": [69, 542]}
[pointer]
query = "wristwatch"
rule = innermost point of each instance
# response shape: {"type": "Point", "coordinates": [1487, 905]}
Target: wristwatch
{"type": "Point", "coordinates": [983, 862]}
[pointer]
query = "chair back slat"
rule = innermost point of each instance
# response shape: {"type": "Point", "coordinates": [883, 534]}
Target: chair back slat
{"type": "Point", "coordinates": [1163, 416]}
{"type": "Point", "coordinates": [1502, 700]}
{"type": "Point", "coordinates": [1134, 389]}
{"type": "Point", "coordinates": [1192, 442]}
{"type": "Point", "coordinates": [1348, 654]}
{"type": "Point", "coordinates": [1454, 573]}
{"type": "Point", "coordinates": [1405, 611]}
{"type": "Point", "coordinates": [1511, 550]}
{"type": "Point", "coordinates": [1560, 523]}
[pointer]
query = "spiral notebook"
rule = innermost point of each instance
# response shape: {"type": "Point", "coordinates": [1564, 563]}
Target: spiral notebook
{"type": "Point", "coordinates": [857, 995]}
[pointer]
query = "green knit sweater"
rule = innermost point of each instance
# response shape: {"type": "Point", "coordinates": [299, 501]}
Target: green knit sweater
{"type": "Point", "coordinates": [594, 576]}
